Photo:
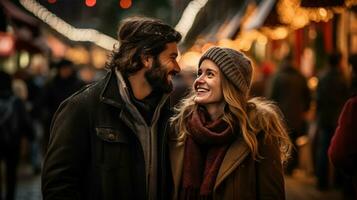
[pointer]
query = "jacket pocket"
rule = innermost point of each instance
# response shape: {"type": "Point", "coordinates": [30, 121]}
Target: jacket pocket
{"type": "Point", "coordinates": [113, 148]}
{"type": "Point", "coordinates": [111, 135]}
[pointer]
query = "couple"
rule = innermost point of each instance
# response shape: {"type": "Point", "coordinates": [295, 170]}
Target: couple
{"type": "Point", "coordinates": [118, 139]}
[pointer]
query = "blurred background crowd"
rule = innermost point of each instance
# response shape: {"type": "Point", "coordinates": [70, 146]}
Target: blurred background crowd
{"type": "Point", "coordinates": [303, 51]}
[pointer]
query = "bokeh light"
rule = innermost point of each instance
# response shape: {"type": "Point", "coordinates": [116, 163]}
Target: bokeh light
{"type": "Point", "coordinates": [52, 1]}
{"type": "Point", "coordinates": [91, 3]}
{"type": "Point", "coordinates": [125, 4]}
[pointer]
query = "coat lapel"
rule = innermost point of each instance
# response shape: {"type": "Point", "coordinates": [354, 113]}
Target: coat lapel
{"type": "Point", "coordinates": [236, 153]}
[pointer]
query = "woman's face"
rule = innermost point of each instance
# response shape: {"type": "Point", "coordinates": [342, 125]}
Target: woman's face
{"type": "Point", "coordinates": [207, 86]}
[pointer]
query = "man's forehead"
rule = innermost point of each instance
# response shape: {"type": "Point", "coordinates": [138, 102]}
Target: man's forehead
{"type": "Point", "coordinates": [171, 48]}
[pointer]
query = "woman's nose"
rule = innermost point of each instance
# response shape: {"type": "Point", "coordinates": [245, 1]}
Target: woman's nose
{"type": "Point", "coordinates": [199, 78]}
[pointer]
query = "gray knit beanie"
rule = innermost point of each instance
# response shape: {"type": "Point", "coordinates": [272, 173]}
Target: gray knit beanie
{"type": "Point", "coordinates": [235, 66]}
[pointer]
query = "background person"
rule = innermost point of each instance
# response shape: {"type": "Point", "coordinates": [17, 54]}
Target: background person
{"type": "Point", "coordinates": [288, 87]}
{"type": "Point", "coordinates": [342, 150]}
{"type": "Point", "coordinates": [14, 123]}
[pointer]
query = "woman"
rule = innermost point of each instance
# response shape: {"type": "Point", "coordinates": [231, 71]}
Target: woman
{"type": "Point", "coordinates": [223, 144]}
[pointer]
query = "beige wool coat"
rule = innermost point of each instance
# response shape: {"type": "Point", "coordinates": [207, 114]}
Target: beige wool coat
{"type": "Point", "coordinates": [240, 177]}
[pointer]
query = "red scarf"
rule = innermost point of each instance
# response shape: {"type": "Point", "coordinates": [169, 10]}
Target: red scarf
{"type": "Point", "coordinates": [205, 147]}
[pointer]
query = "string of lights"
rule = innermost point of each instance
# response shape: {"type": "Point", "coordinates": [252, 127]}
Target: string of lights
{"type": "Point", "coordinates": [188, 16]}
{"type": "Point", "coordinates": [91, 35]}
{"type": "Point", "coordinates": [72, 33]}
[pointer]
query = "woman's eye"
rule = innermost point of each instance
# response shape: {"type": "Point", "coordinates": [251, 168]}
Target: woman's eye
{"type": "Point", "coordinates": [210, 74]}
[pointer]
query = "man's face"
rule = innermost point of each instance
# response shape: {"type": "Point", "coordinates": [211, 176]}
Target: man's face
{"type": "Point", "coordinates": [163, 68]}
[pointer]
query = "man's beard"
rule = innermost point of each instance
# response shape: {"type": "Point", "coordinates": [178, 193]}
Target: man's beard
{"type": "Point", "coordinates": [157, 77]}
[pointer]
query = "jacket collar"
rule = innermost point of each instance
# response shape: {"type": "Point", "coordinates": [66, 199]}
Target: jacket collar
{"type": "Point", "coordinates": [110, 94]}
{"type": "Point", "coordinates": [235, 155]}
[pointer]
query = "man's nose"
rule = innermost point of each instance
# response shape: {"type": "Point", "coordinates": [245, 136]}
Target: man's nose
{"type": "Point", "coordinates": [177, 67]}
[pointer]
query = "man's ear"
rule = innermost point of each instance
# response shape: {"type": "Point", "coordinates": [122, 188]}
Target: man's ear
{"type": "Point", "coordinates": [147, 60]}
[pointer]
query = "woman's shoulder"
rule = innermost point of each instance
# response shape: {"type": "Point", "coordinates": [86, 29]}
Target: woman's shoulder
{"type": "Point", "coordinates": [263, 112]}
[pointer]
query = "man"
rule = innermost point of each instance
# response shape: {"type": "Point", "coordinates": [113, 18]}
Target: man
{"type": "Point", "coordinates": [108, 140]}
{"type": "Point", "coordinates": [288, 87]}
{"type": "Point", "coordinates": [342, 150]}
{"type": "Point", "coordinates": [331, 94]}
{"type": "Point", "coordinates": [15, 122]}
{"type": "Point", "coordinates": [64, 84]}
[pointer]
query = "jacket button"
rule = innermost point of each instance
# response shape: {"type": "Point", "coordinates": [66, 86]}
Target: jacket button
{"type": "Point", "coordinates": [111, 136]}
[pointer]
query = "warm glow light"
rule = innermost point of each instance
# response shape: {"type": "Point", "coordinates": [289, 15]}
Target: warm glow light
{"type": "Point", "coordinates": [78, 54]}
{"type": "Point", "coordinates": [260, 47]}
{"type": "Point", "coordinates": [52, 1]}
{"type": "Point", "coordinates": [206, 46]}
{"type": "Point", "coordinates": [350, 3]}
{"type": "Point", "coordinates": [291, 13]}
{"type": "Point", "coordinates": [281, 33]}
{"type": "Point", "coordinates": [189, 61]}
{"type": "Point", "coordinates": [7, 44]}
{"type": "Point", "coordinates": [313, 82]}
{"type": "Point", "coordinates": [262, 40]}
{"type": "Point", "coordinates": [323, 12]}
{"type": "Point", "coordinates": [125, 4]}
{"type": "Point", "coordinates": [277, 33]}
{"type": "Point", "coordinates": [24, 59]}
{"type": "Point", "coordinates": [98, 57]}
{"type": "Point", "coordinates": [57, 47]}
{"type": "Point", "coordinates": [91, 3]}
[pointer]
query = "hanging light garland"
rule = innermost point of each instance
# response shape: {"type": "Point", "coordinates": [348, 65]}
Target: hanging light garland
{"type": "Point", "coordinates": [72, 33]}
{"type": "Point", "coordinates": [291, 13]}
{"type": "Point", "coordinates": [350, 3]}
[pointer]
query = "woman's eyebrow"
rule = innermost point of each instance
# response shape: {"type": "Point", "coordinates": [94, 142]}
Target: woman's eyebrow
{"type": "Point", "coordinates": [211, 70]}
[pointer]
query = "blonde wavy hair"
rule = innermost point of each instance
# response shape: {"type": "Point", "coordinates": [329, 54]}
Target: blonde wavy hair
{"type": "Point", "coordinates": [253, 116]}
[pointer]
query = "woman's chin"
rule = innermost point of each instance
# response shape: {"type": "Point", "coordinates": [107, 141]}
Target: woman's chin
{"type": "Point", "coordinates": [199, 100]}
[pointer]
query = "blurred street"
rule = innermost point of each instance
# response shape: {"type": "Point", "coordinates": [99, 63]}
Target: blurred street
{"type": "Point", "coordinates": [298, 187]}
{"type": "Point", "coordinates": [302, 187]}
{"type": "Point", "coordinates": [29, 185]}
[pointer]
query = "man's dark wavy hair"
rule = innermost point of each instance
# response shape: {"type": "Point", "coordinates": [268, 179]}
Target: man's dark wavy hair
{"type": "Point", "coordinates": [137, 36]}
